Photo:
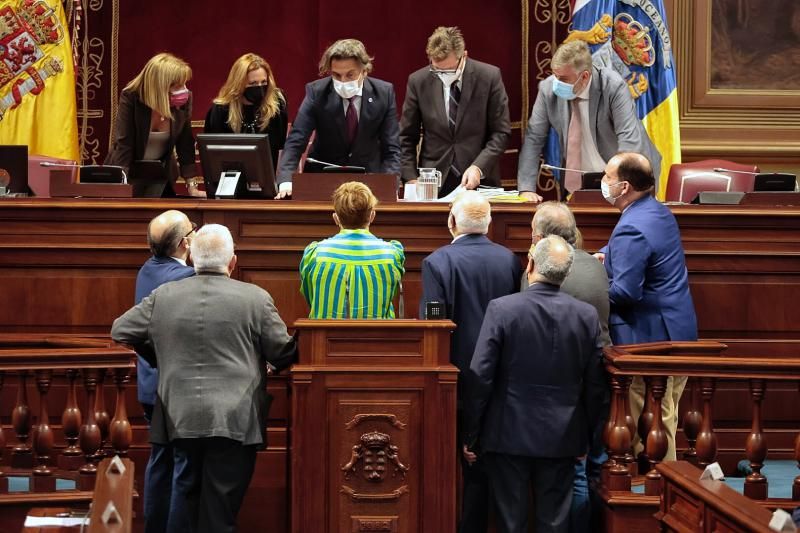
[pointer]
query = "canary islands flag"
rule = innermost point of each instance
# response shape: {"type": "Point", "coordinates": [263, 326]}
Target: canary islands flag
{"type": "Point", "coordinates": [631, 36]}
{"type": "Point", "coordinates": [37, 79]}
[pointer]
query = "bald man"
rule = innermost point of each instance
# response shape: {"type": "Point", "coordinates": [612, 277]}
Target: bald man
{"type": "Point", "coordinates": [536, 390]}
{"type": "Point", "coordinates": [465, 276]}
{"type": "Point", "coordinates": [648, 281]}
{"type": "Point", "coordinates": [169, 236]}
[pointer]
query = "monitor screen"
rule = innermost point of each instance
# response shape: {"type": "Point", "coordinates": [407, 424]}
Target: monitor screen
{"type": "Point", "coordinates": [14, 168]}
{"type": "Point", "coordinates": [248, 154]}
{"type": "Point", "coordinates": [774, 182]}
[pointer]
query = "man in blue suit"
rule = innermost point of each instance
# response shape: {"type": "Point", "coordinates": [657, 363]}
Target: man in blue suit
{"type": "Point", "coordinates": [354, 116]}
{"type": "Point", "coordinates": [536, 392]}
{"type": "Point", "coordinates": [169, 237]}
{"type": "Point", "coordinates": [648, 280]}
{"type": "Point", "coordinates": [465, 276]}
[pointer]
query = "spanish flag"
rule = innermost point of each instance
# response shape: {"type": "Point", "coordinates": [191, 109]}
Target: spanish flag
{"type": "Point", "coordinates": [37, 79]}
{"type": "Point", "coordinates": [631, 36]}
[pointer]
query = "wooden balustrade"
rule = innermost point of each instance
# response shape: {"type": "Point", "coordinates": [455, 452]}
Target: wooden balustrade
{"type": "Point", "coordinates": [48, 358]}
{"type": "Point", "coordinates": [706, 363]}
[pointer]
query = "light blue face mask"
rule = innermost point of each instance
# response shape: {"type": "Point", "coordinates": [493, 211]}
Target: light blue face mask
{"type": "Point", "coordinates": [564, 90]}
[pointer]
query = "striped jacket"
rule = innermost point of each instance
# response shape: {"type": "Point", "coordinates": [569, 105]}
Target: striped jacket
{"type": "Point", "coordinates": [353, 274]}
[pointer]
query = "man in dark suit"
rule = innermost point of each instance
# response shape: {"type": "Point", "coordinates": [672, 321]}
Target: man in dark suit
{"type": "Point", "coordinates": [354, 117]}
{"type": "Point", "coordinates": [536, 390]}
{"type": "Point", "coordinates": [212, 338]}
{"type": "Point", "coordinates": [169, 236]}
{"type": "Point", "coordinates": [648, 280]}
{"type": "Point", "coordinates": [460, 108]}
{"type": "Point", "coordinates": [465, 276]}
{"type": "Point", "coordinates": [586, 281]}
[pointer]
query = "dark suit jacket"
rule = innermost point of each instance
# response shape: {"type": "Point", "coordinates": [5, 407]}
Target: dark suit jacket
{"type": "Point", "coordinates": [465, 276]}
{"type": "Point", "coordinates": [212, 338]}
{"type": "Point", "coordinates": [482, 130]}
{"type": "Point", "coordinates": [587, 281]}
{"type": "Point", "coordinates": [217, 122]}
{"type": "Point", "coordinates": [155, 272]}
{"type": "Point", "coordinates": [538, 383]}
{"type": "Point", "coordinates": [375, 148]}
{"type": "Point", "coordinates": [649, 283]}
{"type": "Point", "coordinates": [133, 129]}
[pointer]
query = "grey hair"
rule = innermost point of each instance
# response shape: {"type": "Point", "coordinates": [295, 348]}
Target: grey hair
{"type": "Point", "coordinates": [212, 248]}
{"type": "Point", "coordinates": [555, 218]}
{"type": "Point", "coordinates": [549, 263]}
{"type": "Point", "coordinates": [472, 213]}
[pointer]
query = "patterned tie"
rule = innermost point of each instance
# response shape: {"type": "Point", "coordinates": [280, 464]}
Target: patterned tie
{"type": "Point", "coordinates": [572, 180]}
{"type": "Point", "coordinates": [351, 120]}
{"type": "Point", "coordinates": [455, 96]}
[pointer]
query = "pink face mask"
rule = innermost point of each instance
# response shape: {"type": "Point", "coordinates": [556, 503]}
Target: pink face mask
{"type": "Point", "coordinates": [180, 97]}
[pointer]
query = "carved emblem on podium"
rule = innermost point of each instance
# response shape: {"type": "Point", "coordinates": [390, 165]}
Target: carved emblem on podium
{"type": "Point", "coordinates": [374, 451]}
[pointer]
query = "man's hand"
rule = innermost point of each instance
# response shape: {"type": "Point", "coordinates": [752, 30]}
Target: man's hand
{"type": "Point", "coordinates": [531, 196]}
{"type": "Point", "coordinates": [469, 456]}
{"type": "Point", "coordinates": [600, 257]}
{"type": "Point", "coordinates": [286, 193]}
{"type": "Point", "coordinates": [197, 193]}
{"type": "Point", "coordinates": [471, 177]}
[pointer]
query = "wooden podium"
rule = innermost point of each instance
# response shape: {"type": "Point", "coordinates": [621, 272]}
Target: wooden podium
{"type": "Point", "coordinates": [373, 440]}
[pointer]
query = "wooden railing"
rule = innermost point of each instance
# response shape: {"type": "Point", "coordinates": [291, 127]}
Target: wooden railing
{"type": "Point", "coordinates": [706, 364]}
{"type": "Point", "coordinates": [89, 432]}
{"type": "Point", "coordinates": [692, 504]}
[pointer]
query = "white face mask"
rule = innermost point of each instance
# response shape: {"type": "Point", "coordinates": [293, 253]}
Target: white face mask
{"type": "Point", "coordinates": [605, 188]}
{"type": "Point", "coordinates": [348, 89]}
{"type": "Point", "coordinates": [449, 78]}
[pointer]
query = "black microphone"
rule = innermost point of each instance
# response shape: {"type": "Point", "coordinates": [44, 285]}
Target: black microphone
{"type": "Point", "coordinates": [720, 169]}
{"type": "Point", "coordinates": [590, 179]}
{"type": "Point", "coordinates": [312, 160]}
{"type": "Point", "coordinates": [552, 167]}
{"type": "Point", "coordinates": [61, 165]}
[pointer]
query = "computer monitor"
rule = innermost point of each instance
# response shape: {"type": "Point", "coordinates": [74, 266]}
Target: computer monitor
{"type": "Point", "coordinates": [774, 182]}
{"type": "Point", "coordinates": [244, 154]}
{"type": "Point", "coordinates": [14, 168]}
{"type": "Point", "coordinates": [591, 180]}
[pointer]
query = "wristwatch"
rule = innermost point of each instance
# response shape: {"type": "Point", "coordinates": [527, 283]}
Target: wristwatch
{"type": "Point", "coordinates": [191, 183]}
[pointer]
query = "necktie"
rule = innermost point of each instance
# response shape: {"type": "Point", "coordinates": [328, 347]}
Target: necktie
{"type": "Point", "coordinates": [452, 113]}
{"type": "Point", "coordinates": [351, 120]}
{"type": "Point", "coordinates": [572, 180]}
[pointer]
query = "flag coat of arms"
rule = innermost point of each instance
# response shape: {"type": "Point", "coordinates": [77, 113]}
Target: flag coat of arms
{"type": "Point", "coordinates": [631, 37]}
{"type": "Point", "coordinates": [37, 79]}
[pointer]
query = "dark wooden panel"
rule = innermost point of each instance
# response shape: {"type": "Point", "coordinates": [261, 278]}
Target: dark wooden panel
{"type": "Point", "coordinates": [70, 266]}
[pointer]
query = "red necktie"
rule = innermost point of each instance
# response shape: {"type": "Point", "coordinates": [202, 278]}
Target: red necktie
{"type": "Point", "coordinates": [351, 120]}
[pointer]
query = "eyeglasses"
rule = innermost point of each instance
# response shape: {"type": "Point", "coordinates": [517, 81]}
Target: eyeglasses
{"type": "Point", "coordinates": [194, 228]}
{"type": "Point", "coordinates": [435, 70]}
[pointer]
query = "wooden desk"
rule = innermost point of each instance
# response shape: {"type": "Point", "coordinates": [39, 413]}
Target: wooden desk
{"type": "Point", "coordinates": [70, 266]}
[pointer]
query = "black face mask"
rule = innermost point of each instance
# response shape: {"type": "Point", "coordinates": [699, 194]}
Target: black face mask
{"type": "Point", "coordinates": [255, 95]}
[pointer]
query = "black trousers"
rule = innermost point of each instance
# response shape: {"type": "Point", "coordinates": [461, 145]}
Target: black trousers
{"type": "Point", "coordinates": [209, 483]}
{"type": "Point", "coordinates": [474, 497]}
{"type": "Point", "coordinates": [511, 478]}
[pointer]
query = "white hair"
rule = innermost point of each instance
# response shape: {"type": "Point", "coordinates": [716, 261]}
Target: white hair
{"type": "Point", "coordinates": [212, 248]}
{"type": "Point", "coordinates": [472, 213]}
{"type": "Point", "coordinates": [549, 262]}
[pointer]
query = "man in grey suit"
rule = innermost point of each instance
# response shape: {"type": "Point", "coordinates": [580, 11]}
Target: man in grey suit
{"type": "Point", "coordinates": [460, 108]}
{"type": "Point", "coordinates": [593, 113]}
{"type": "Point", "coordinates": [211, 338]}
{"type": "Point", "coordinates": [587, 281]}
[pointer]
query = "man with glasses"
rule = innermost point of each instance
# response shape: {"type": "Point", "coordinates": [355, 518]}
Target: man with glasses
{"type": "Point", "coordinates": [169, 236]}
{"type": "Point", "coordinates": [459, 107]}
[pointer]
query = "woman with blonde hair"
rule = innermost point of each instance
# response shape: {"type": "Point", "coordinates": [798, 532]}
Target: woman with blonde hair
{"type": "Point", "coordinates": [155, 120]}
{"type": "Point", "coordinates": [250, 102]}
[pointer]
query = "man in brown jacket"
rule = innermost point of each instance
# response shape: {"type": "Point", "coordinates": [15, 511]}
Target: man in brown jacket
{"type": "Point", "coordinates": [460, 108]}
